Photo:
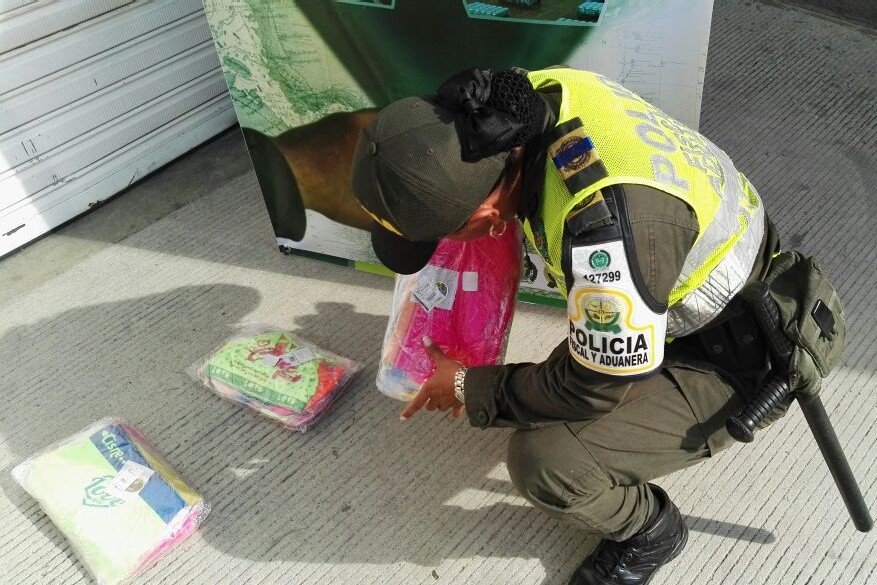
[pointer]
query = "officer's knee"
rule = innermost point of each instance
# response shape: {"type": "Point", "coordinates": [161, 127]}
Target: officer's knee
{"type": "Point", "coordinates": [527, 467]}
{"type": "Point", "coordinates": [547, 473]}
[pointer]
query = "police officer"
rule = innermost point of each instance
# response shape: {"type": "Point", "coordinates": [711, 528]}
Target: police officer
{"type": "Point", "coordinates": [650, 232]}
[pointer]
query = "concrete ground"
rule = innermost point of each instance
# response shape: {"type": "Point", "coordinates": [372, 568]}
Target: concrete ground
{"type": "Point", "coordinates": [103, 318]}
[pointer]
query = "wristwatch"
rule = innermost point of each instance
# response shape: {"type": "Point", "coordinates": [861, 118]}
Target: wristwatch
{"type": "Point", "coordinates": [459, 378]}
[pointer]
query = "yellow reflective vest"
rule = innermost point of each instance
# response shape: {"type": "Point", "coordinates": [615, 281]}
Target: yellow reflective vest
{"type": "Point", "coordinates": [607, 135]}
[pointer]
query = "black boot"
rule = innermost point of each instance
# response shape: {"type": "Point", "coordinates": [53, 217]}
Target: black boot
{"type": "Point", "coordinates": [634, 561]}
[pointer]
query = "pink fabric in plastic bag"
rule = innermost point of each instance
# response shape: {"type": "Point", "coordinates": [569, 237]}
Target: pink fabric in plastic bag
{"type": "Point", "coordinates": [463, 300]}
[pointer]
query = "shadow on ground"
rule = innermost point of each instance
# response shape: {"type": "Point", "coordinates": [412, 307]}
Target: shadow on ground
{"type": "Point", "coordinates": [360, 487]}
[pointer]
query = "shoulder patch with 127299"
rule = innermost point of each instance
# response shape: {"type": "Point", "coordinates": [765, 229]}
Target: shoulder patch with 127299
{"type": "Point", "coordinates": [611, 328]}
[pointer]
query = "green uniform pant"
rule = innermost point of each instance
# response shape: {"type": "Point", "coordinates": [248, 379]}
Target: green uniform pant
{"type": "Point", "coordinates": [593, 473]}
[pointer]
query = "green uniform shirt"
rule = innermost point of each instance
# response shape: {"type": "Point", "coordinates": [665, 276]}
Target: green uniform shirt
{"type": "Point", "coordinates": [525, 395]}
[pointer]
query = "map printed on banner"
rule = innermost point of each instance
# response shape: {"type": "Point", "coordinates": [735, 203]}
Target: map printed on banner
{"type": "Point", "coordinates": [280, 73]}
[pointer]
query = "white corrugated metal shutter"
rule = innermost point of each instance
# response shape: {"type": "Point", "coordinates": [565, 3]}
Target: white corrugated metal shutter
{"type": "Point", "coordinates": [94, 95]}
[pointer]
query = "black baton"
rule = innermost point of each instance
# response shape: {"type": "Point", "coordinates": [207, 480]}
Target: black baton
{"type": "Point", "coordinates": [776, 389]}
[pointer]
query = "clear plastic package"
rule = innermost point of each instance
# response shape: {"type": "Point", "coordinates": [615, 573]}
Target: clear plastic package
{"type": "Point", "coordinates": [115, 499]}
{"type": "Point", "coordinates": [277, 374]}
{"type": "Point", "coordinates": [464, 300]}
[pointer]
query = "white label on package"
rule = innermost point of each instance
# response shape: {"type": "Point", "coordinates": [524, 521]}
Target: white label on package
{"type": "Point", "coordinates": [271, 360]}
{"type": "Point", "coordinates": [129, 480]}
{"type": "Point", "coordinates": [470, 282]}
{"type": "Point", "coordinates": [299, 356]}
{"type": "Point", "coordinates": [428, 294]}
{"type": "Point", "coordinates": [435, 287]}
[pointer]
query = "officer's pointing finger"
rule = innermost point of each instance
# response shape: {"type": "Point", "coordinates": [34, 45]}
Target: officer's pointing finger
{"type": "Point", "coordinates": [416, 404]}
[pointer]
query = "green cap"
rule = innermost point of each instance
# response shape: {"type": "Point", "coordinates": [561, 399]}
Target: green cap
{"type": "Point", "coordinates": [409, 175]}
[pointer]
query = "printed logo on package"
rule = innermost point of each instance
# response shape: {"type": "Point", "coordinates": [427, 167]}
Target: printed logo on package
{"type": "Point", "coordinates": [96, 495]}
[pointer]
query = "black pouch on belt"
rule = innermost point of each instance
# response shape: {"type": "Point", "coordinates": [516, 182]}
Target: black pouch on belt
{"type": "Point", "coordinates": [736, 344]}
{"type": "Point", "coordinates": [811, 317]}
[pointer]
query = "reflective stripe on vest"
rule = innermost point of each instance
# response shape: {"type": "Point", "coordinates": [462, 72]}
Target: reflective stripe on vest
{"type": "Point", "coordinates": [639, 144]}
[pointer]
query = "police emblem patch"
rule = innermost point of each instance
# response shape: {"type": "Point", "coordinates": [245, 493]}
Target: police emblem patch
{"type": "Point", "coordinates": [611, 329]}
{"type": "Point", "coordinates": [599, 260]}
{"type": "Point", "coordinates": [573, 152]}
{"type": "Point", "coordinates": [539, 239]}
{"type": "Point", "coordinates": [602, 336]}
{"type": "Point", "coordinates": [601, 314]}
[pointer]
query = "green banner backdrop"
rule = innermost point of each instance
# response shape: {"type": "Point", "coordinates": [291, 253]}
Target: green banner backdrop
{"type": "Point", "coordinates": [306, 75]}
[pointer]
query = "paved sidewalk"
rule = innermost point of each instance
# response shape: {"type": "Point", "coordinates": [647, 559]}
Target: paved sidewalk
{"type": "Point", "coordinates": [105, 319]}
